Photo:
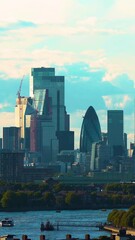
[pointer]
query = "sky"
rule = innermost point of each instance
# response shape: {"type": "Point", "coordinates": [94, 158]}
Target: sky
{"type": "Point", "coordinates": [90, 42]}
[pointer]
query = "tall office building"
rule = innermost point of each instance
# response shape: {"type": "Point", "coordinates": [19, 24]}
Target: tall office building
{"type": "Point", "coordinates": [90, 131]}
{"type": "Point", "coordinates": [11, 165]}
{"type": "Point", "coordinates": [11, 138]}
{"type": "Point", "coordinates": [115, 130]}
{"type": "Point", "coordinates": [99, 156]}
{"type": "Point", "coordinates": [47, 91]}
{"type": "Point", "coordinates": [66, 140]}
{"type": "Point", "coordinates": [0, 143]}
{"type": "Point", "coordinates": [21, 120]}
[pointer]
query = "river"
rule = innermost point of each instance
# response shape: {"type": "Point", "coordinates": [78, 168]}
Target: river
{"type": "Point", "coordinates": [77, 223]}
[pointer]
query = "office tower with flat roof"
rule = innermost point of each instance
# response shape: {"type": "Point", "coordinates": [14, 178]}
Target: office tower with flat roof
{"type": "Point", "coordinates": [11, 165]}
{"type": "Point", "coordinates": [115, 129]}
{"type": "Point", "coordinates": [66, 140]}
{"type": "Point", "coordinates": [47, 91]}
{"type": "Point", "coordinates": [99, 156]}
{"type": "Point", "coordinates": [11, 138]}
{"type": "Point", "coordinates": [0, 143]}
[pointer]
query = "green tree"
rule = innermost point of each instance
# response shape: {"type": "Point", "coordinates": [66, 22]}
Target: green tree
{"type": "Point", "coordinates": [60, 203]}
{"type": "Point", "coordinates": [111, 215]}
{"type": "Point", "coordinates": [73, 200]}
{"type": "Point", "coordinates": [117, 218]}
{"type": "Point", "coordinates": [58, 187]}
{"type": "Point", "coordinates": [9, 199]}
{"type": "Point", "coordinates": [49, 200]}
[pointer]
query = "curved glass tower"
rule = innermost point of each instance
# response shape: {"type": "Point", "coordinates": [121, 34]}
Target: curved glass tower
{"type": "Point", "coordinates": [90, 131]}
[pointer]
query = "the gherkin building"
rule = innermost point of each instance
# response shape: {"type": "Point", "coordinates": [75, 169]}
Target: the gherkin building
{"type": "Point", "coordinates": [90, 130]}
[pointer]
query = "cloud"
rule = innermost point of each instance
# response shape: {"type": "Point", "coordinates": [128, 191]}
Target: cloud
{"type": "Point", "coordinates": [40, 11]}
{"type": "Point", "coordinates": [8, 94]}
{"type": "Point", "coordinates": [7, 119]}
{"type": "Point", "coordinates": [91, 44]}
{"type": "Point", "coordinates": [102, 116]}
{"type": "Point", "coordinates": [117, 102]}
{"type": "Point", "coordinates": [76, 119]}
{"type": "Point", "coordinates": [4, 105]}
{"type": "Point", "coordinates": [130, 138]}
{"type": "Point", "coordinates": [122, 9]}
{"type": "Point", "coordinates": [90, 21]}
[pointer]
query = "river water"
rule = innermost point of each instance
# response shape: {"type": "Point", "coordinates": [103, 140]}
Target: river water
{"type": "Point", "coordinates": [77, 223]}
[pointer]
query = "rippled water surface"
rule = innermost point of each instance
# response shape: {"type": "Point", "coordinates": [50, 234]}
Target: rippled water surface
{"type": "Point", "coordinates": [77, 223]}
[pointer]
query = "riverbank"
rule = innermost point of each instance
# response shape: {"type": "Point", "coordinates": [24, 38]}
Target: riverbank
{"type": "Point", "coordinates": [116, 230]}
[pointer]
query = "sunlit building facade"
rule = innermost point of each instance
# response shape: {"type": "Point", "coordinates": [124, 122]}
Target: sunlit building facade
{"type": "Point", "coordinates": [21, 121]}
{"type": "Point", "coordinates": [99, 156]}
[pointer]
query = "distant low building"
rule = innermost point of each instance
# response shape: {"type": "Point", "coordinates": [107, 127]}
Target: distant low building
{"type": "Point", "coordinates": [11, 166]}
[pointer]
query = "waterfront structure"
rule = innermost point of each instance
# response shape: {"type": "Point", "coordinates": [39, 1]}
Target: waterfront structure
{"type": "Point", "coordinates": [11, 138]}
{"type": "Point", "coordinates": [90, 130]}
{"type": "Point", "coordinates": [47, 91]}
{"type": "Point", "coordinates": [11, 165]}
{"type": "Point", "coordinates": [115, 131]}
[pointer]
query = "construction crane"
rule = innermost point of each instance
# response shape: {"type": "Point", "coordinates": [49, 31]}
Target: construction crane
{"type": "Point", "coordinates": [19, 90]}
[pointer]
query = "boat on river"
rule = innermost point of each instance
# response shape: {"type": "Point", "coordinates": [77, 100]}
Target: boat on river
{"type": "Point", "coordinates": [46, 226]}
{"type": "Point", "coordinates": [6, 222]}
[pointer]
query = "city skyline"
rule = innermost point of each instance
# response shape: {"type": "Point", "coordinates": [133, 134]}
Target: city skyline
{"type": "Point", "coordinates": [89, 42]}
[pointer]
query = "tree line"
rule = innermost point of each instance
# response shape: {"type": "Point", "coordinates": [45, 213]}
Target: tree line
{"type": "Point", "coordinates": [52, 195]}
{"type": "Point", "coordinates": [122, 218]}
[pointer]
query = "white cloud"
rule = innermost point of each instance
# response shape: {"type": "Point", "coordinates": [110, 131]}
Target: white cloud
{"type": "Point", "coordinates": [76, 119]}
{"type": "Point", "coordinates": [7, 119]}
{"type": "Point", "coordinates": [90, 21]}
{"type": "Point", "coordinates": [122, 9]}
{"type": "Point", "coordinates": [102, 115]}
{"type": "Point", "coordinates": [130, 137]}
{"type": "Point", "coordinates": [38, 10]}
{"type": "Point", "coordinates": [117, 101]}
{"type": "Point", "coordinates": [76, 137]}
{"type": "Point", "coordinates": [4, 105]}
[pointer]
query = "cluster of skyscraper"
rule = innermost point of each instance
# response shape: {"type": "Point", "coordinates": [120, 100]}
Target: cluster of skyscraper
{"type": "Point", "coordinates": [42, 130]}
{"type": "Point", "coordinates": [41, 120]}
{"type": "Point", "coordinates": [104, 148]}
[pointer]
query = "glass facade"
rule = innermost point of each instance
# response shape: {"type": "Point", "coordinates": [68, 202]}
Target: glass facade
{"type": "Point", "coordinates": [39, 100]}
{"type": "Point", "coordinates": [115, 129]}
{"type": "Point", "coordinates": [90, 131]}
{"type": "Point", "coordinates": [49, 101]}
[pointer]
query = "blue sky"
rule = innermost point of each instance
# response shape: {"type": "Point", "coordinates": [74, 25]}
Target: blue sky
{"type": "Point", "coordinates": [90, 42]}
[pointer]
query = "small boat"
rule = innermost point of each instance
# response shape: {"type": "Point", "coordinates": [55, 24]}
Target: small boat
{"type": "Point", "coordinates": [47, 226]}
{"type": "Point", "coordinates": [7, 222]}
{"type": "Point", "coordinates": [58, 211]}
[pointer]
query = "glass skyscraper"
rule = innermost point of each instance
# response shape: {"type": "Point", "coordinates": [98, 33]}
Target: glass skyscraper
{"type": "Point", "coordinates": [90, 130]}
{"type": "Point", "coordinates": [47, 91]}
{"type": "Point", "coordinates": [115, 129]}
